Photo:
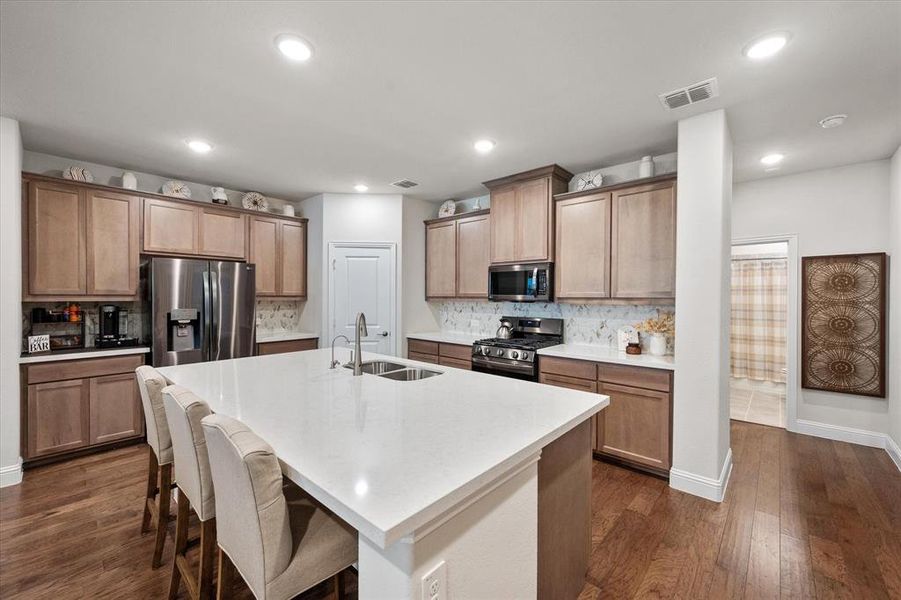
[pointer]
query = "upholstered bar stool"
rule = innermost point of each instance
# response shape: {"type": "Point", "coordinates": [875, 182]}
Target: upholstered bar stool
{"type": "Point", "coordinates": [184, 410]}
{"type": "Point", "coordinates": [282, 543]}
{"type": "Point", "coordinates": [159, 473]}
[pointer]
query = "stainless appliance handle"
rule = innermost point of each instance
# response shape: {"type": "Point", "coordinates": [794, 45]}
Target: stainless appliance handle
{"type": "Point", "coordinates": [504, 365]}
{"type": "Point", "coordinates": [535, 279]}
{"type": "Point", "coordinates": [215, 324]}
{"type": "Point", "coordinates": [206, 348]}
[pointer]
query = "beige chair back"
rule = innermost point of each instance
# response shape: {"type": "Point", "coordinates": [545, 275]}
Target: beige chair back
{"type": "Point", "coordinates": [252, 523]}
{"type": "Point", "coordinates": [151, 384]}
{"type": "Point", "coordinates": [184, 412]}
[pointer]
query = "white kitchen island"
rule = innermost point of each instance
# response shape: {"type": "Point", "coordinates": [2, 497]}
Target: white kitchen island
{"type": "Point", "coordinates": [439, 469]}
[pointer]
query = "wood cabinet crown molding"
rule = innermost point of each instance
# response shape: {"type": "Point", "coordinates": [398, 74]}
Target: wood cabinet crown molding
{"type": "Point", "coordinates": [458, 216]}
{"type": "Point", "coordinates": [553, 171]}
{"type": "Point", "coordinates": [28, 176]}
{"type": "Point", "coordinates": [617, 186]}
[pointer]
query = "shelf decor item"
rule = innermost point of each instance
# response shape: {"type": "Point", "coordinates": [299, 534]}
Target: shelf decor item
{"type": "Point", "coordinates": [217, 195]}
{"type": "Point", "coordinates": [589, 180]}
{"type": "Point", "coordinates": [658, 328]}
{"type": "Point", "coordinates": [646, 167]}
{"type": "Point", "coordinates": [448, 208]}
{"type": "Point", "coordinates": [129, 181]}
{"type": "Point", "coordinates": [843, 323]}
{"type": "Point", "coordinates": [255, 201]}
{"type": "Point", "coordinates": [78, 174]}
{"type": "Point", "coordinates": [176, 189]}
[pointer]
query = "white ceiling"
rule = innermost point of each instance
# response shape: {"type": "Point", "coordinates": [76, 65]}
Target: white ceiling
{"type": "Point", "coordinates": [401, 90]}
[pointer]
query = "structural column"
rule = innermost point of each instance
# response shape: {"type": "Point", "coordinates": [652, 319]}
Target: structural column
{"type": "Point", "coordinates": [10, 298]}
{"type": "Point", "coordinates": [702, 459]}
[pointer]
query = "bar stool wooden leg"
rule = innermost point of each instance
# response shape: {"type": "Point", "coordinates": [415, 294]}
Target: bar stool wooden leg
{"type": "Point", "coordinates": [206, 590]}
{"type": "Point", "coordinates": [162, 518]}
{"type": "Point", "coordinates": [226, 577]}
{"type": "Point", "coordinates": [181, 542]}
{"type": "Point", "coordinates": [152, 474]}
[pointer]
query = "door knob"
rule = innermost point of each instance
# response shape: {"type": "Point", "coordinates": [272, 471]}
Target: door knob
{"type": "Point", "coordinates": [384, 334]}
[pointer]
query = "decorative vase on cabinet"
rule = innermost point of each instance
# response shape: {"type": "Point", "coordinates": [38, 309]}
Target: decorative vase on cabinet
{"type": "Point", "coordinates": [658, 344]}
{"type": "Point", "coordinates": [646, 167]}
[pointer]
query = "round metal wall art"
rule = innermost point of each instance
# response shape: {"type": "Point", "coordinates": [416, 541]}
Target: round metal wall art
{"type": "Point", "coordinates": [843, 317]}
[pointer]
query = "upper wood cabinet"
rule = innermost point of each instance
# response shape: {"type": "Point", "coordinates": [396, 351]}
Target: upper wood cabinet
{"type": "Point", "coordinates": [458, 255]}
{"type": "Point", "coordinates": [171, 227]}
{"type": "Point", "coordinates": [80, 242]}
{"type": "Point", "coordinates": [441, 259]}
{"type": "Point", "coordinates": [473, 256]}
{"type": "Point", "coordinates": [644, 241]}
{"type": "Point", "coordinates": [278, 248]}
{"type": "Point", "coordinates": [522, 223]}
{"type": "Point", "coordinates": [617, 243]}
{"type": "Point", "coordinates": [221, 232]}
{"type": "Point", "coordinates": [583, 247]}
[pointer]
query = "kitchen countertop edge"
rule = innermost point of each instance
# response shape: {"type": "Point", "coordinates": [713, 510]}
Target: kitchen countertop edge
{"type": "Point", "coordinates": [448, 337]}
{"type": "Point", "coordinates": [604, 354]}
{"type": "Point", "coordinates": [266, 337]}
{"type": "Point", "coordinates": [26, 359]}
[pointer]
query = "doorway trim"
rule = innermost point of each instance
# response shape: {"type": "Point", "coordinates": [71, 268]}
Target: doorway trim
{"type": "Point", "coordinates": [329, 313]}
{"type": "Point", "coordinates": [792, 321]}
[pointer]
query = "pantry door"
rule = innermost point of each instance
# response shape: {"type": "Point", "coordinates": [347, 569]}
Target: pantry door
{"type": "Point", "coordinates": [362, 278]}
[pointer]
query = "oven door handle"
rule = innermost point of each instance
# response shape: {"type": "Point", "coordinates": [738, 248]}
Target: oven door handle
{"type": "Point", "coordinates": [504, 365]}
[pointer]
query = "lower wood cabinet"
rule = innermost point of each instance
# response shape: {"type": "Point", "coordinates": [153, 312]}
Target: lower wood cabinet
{"type": "Point", "coordinates": [636, 428]}
{"type": "Point", "coordinates": [264, 348]}
{"type": "Point", "coordinates": [73, 405]}
{"type": "Point", "coordinates": [448, 355]}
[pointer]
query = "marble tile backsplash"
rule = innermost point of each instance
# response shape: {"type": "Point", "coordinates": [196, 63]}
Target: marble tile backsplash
{"type": "Point", "coordinates": [582, 323]}
{"type": "Point", "coordinates": [275, 314]}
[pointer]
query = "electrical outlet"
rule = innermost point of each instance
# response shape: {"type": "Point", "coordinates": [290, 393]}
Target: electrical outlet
{"type": "Point", "coordinates": [434, 583]}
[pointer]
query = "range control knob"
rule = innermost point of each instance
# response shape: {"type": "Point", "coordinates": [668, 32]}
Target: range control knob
{"type": "Point", "coordinates": [514, 354]}
{"type": "Point", "coordinates": [499, 352]}
{"type": "Point", "coordinates": [525, 355]}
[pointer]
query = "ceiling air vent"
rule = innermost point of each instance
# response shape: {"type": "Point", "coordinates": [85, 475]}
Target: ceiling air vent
{"type": "Point", "coordinates": [697, 92]}
{"type": "Point", "coordinates": [404, 183]}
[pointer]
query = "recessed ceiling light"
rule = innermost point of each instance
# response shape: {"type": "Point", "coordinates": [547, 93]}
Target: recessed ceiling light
{"type": "Point", "coordinates": [294, 47]}
{"type": "Point", "coordinates": [766, 46]}
{"type": "Point", "coordinates": [772, 159]}
{"type": "Point", "coordinates": [361, 187]}
{"type": "Point", "coordinates": [199, 146]}
{"type": "Point", "coordinates": [484, 146]}
{"type": "Point", "coordinates": [832, 121]}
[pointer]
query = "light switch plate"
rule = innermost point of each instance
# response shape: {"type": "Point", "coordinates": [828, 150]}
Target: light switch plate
{"type": "Point", "coordinates": [434, 583]}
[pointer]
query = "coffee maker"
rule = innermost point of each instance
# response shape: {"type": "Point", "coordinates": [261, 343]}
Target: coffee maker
{"type": "Point", "coordinates": [113, 323]}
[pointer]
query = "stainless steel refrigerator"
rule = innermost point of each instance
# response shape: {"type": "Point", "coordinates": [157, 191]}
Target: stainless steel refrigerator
{"type": "Point", "coordinates": [200, 310]}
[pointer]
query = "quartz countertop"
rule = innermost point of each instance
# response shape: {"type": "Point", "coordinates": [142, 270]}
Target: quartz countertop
{"type": "Point", "coordinates": [448, 337]}
{"type": "Point", "coordinates": [264, 337]}
{"type": "Point", "coordinates": [387, 456]}
{"type": "Point", "coordinates": [82, 353]}
{"type": "Point", "coordinates": [609, 355]}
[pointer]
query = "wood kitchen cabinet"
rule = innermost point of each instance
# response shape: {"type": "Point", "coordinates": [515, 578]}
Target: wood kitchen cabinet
{"type": "Point", "coordinates": [221, 233]}
{"type": "Point", "coordinates": [280, 347]}
{"type": "Point", "coordinates": [171, 227]}
{"type": "Point", "coordinates": [522, 224]}
{"type": "Point", "coordinates": [278, 248]}
{"type": "Point", "coordinates": [583, 247]}
{"type": "Point", "coordinates": [79, 243]}
{"type": "Point", "coordinates": [74, 405]}
{"type": "Point", "coordinates": [636, 428]}
{"type": "Point", "coordinates": [617, 244]}
{"type": "Point", "coordinates": [458, 256]}
{"type": "Point", "coordinates": [440, 353]}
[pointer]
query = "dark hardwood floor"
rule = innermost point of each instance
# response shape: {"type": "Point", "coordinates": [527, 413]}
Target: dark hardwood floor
{"type": "Point", "coordinates": [803, 518]}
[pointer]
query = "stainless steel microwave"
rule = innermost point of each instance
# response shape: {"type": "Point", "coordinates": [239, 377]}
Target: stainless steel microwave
{"type": "Point", "coordinates": [521, 283]}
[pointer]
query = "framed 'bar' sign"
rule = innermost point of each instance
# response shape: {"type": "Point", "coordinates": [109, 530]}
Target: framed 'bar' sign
{"type": "Point", "coordinates": [843, 323]}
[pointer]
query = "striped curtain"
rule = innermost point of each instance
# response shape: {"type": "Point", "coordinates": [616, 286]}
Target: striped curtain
{"type": "Point", "coordinates": [759, 305]}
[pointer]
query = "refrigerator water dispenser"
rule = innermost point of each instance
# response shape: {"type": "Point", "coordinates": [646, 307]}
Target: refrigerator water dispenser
{"type": "Point", "coordinates": [184, 329]}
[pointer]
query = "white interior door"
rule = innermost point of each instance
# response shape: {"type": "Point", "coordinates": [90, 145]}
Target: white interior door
{"type": "Point", "coordinates": [363, 280]}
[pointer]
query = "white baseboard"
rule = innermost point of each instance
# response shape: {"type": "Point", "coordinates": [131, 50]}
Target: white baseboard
{"type": "Point", "coordinates": [894, 451]}
{"type": "Point", "coordinates": [704, 487]}
{"type": "Point", "coordinates": [862, 437]}
{"type": "Point", "coordinates": [11, 475]}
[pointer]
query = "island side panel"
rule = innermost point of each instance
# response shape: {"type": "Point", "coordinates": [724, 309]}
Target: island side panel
{"type": "Point", "coordinates": [564, 514]}
{"type": "Point", "coordinates": [489, 549]}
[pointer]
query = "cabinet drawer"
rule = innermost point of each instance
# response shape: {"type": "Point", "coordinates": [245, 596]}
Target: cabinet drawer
{"type": "Point", "coordinates": [422, 347]}
{"type": "Point", "coordinates": [429, 358]}
{"type": "Point", "coordinates": [573, 383]}
{"type": "Point", "coordinates": [570, 368]}
{"type": "Point", "coordinates": [455, 351]}
{"type": "Point", "coordinates": [286, 346]}
{"type": "Point", "coordinates": [455, 362]}
{"type": "Point", "coordinates": [640, 377]}
{"type": "Point", "coordinates": [74, 369]}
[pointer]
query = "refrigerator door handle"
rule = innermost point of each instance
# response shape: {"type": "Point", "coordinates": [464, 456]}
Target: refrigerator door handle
{"type": "Point", "coordinates": [207, 317]}
{"type": "Point", "coordinates": [215, 325]}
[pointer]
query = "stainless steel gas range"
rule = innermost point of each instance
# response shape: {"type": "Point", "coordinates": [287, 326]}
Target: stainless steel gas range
{"type": "Point", "coordinates": [516, 356]}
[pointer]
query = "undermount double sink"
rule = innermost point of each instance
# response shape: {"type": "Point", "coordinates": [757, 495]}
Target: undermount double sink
{"type": "Point", "coordinates": [395, 371]}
